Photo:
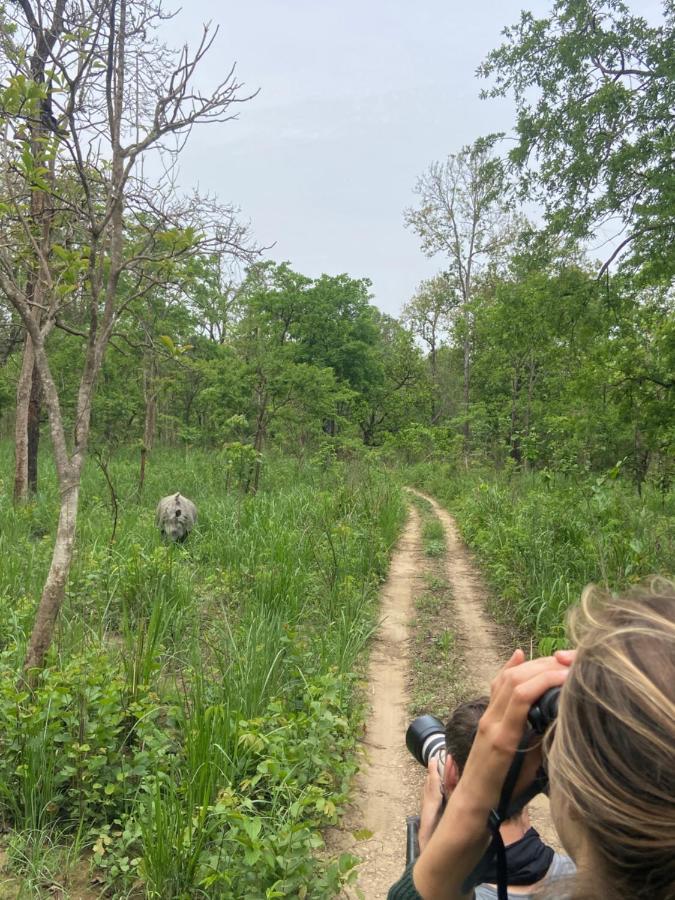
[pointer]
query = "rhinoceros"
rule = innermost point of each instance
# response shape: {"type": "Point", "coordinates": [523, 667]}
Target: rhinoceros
{"type": "Point", "coordinates": [175, 517]}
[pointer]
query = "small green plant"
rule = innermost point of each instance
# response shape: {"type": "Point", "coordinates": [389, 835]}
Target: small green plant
{"type": "Point", "coordinates": [433, 537]}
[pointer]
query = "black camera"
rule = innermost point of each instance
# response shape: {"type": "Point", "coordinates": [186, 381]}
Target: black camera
{"type": "Point", "coordinates": [424, 738]}
{"type": "Point", "coordinates": [426, 734]}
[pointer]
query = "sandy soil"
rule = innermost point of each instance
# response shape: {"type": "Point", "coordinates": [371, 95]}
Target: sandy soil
{"type": "Point", "coordinates": [387, 788]}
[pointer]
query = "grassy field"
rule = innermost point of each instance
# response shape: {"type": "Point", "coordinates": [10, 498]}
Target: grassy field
{"type": "Point", "coordinates": [540, 537]}
{"type": "Point", "coordinates": [195, 727]}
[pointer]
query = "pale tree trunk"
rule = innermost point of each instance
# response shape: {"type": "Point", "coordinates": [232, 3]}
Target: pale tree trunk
{"type": "Point", "coordinates": [54, 588]}
{"type": "Point", "coordinates": [69, 470]}
{"type": "Point", "coordinates": [69, 465]}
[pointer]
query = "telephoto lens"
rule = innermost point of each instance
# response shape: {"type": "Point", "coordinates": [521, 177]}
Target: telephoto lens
{"type": "Point", "coordinates": [425, 737]}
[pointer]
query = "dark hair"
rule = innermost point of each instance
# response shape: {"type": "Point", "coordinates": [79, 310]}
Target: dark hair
{"type": "Point", "coordinates": [460, 731]}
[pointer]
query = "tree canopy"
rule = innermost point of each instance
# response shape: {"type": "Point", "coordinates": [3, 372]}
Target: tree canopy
{"type": "Point", "coordinates": [594, 86]}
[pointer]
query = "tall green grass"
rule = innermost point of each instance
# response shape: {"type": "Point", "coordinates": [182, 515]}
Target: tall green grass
{"type": "Point", "coordinates": [540, 538]}
{"type": "Point", "coordinates": [197, 719]}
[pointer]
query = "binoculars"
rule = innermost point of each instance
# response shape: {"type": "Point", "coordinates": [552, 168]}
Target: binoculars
{"type": "Point", "coordinates": [426, 734]}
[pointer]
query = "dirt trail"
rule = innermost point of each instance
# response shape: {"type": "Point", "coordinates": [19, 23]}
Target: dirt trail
{"type": "Point", "coordinates": [479, 637]}
{"type": "Point", "coordinates": [387, 787]}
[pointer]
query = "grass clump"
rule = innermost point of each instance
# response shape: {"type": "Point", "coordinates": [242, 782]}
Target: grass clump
{"type": "Point", "coordinates": [436, 660]}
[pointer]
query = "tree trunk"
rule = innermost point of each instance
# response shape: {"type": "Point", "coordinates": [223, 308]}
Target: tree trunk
{"type": "Point", "coordinates": [532, 377]}
{"type": "Point", "coordinates": [34, 409]}
{"type": "Point", "coordinates": [150, 392]}
{"type": "Point", "coordinates": [55, 585]}
{"type": "Point", "coordinates": [29, 389]}
{"type": "Point", "coordinates": [465, 392]}
{"type": "Point", "coordinates": [261, 423]}
{"type": "Point", "coordinates": [23, 395]}
{"type": "Point", "coordinates": [253, 479]}
{"type": "Point", "coordinates": [514, 437]}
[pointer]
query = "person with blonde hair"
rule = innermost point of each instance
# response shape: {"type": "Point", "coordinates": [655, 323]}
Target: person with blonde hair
{"type": "Point", "coordinates": [610, 757]}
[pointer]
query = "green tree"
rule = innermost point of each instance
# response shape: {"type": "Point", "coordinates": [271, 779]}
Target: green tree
{"type": "Point", "coordinates": [465, 213]}
{"type": "Point", "coordinates": [429, 315]}
{"type": "Point", "coordinates": [400, 392]}
{"type": "Point", "coordinates": [96, 54]}
{"type": "Point", "coordinates": [289, 386]}
{"type": "Point", "coordinates": [594, 85]}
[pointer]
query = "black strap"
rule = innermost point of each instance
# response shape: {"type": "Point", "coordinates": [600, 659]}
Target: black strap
{"type": "Point", "coordinates": [505, 810]}
{"type": "Point", "coordinates": [498, 848]}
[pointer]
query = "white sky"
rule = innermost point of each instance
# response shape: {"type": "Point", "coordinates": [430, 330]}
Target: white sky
{"type": "Point", "coordinates": [356, 99]}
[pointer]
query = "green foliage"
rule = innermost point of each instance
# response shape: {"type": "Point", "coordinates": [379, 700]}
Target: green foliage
{"type": "Point", "coordinates": [76, 749]}
{"type": "Point", "coordinates": [542, 538]}
{"type": "Point", "coordinates": [196, 723]}
{"type": "Point", "coordinates": [594, 89]}
{"type": "Point", "coordinates": [433, 537]}
{"type": "Point", "coordinates": [257, 839]}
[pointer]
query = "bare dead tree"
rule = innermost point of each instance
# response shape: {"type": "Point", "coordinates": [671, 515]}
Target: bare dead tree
{"type": "Point", "coordinates": [109, 227]}
{"type": "Point", "coordinates": [465, 212]}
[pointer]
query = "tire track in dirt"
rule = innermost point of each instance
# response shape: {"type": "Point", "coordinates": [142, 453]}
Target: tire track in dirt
{"type": "Point", "coordinates": [387, 787]}
{"type": "Point", "coordinates": [479, 637]}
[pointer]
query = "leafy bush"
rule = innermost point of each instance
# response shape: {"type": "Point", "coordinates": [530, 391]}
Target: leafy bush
{"type": "Point", "coordinates": [77, 748]}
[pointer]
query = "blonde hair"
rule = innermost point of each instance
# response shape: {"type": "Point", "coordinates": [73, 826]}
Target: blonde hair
{"type": "Point", "coordinates": [613, 752]}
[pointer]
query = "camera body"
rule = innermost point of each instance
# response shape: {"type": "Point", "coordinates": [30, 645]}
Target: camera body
{"type": "Point", "coordinates": [426, 734]}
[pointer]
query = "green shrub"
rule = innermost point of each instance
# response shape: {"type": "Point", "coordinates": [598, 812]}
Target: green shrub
{"type": "Point", "coordinates": [76, 749]}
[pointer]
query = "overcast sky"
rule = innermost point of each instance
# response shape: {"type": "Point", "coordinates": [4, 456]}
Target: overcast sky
{"type": "Point", "coordinates": [356, 99]}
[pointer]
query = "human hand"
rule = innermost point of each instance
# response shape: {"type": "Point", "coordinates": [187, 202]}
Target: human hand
{"type": "Point", "coordinates": [461, 836]}
{"type": "Point", "coordinates": [432, 802]}
{"type": "Point", "coordinates": [516, 687]}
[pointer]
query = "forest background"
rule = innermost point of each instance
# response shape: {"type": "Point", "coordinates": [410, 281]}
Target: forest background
{"type": "Point", "coordinates": [146, 347]}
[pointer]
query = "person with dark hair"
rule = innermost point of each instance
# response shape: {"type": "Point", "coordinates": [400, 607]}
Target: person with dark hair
{"type": "Point", "coordinates": [531, 863]}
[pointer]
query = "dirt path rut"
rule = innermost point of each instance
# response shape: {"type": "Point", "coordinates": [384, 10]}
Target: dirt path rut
{"type": "Point", "coordinates": [387, 787]}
